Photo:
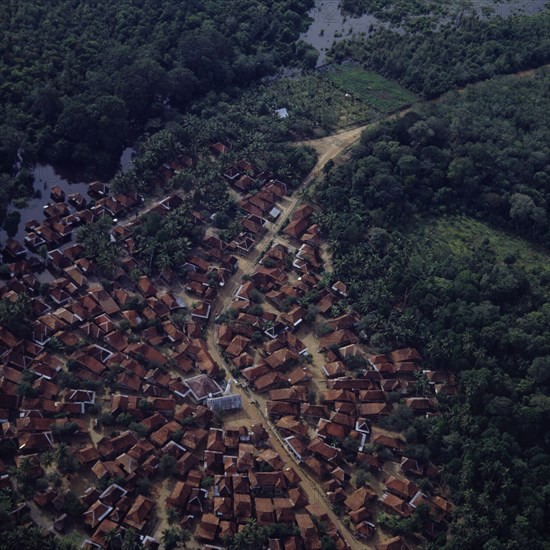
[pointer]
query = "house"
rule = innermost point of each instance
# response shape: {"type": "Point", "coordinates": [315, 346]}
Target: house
{"type": "Point", "coordinates": [294, 316]}
{"type": "Point", "coordinates": [395, 505]}
{"type": "Point", "coordinates": [405, 489]}
{"type": "Point", "coordinates": [202, 387]}
{"type": "Point", "coordinates": [242, 506]}
{"type": "Point", "coordinates": [98, 190]}
{"type": "Point", "coordinates": [96, 513]}
{"type": "Point", "coordinates": [340, 288]}
{"type": "Point", "coordinates": [223, 507]}
{"type": "Point", "coordinates": [230, 402]}
{"type": "Point", "coordinates": [360, 498]}
{"type": "Point", "coordinates": [284, 510]}
{"type": "Point", "coordinates": [308, 531]}
{"type": "Point", "coordinates": [374, 410]}
{"type": "Point", "coordinates": [289, 425]}
{"type": "Point", "coordinates": [410, 466]}
{"type": "Point", "coordinates": [269, 382]}
{"type": "Point", "coordinates": [221, 147]}
{"type": "Point", "coordinates": [406, 354]}
{"type": "Point", "coordinates": [237, 346]}
{"type": "Point", "coordinates": [295, 228]}
{"type": "Point", "coordinates": [420, 405]}
{"type": "Point", "coordinates": [325, 452]}
{"type": "Point", "coordinates": [34, 442]}
{"type": "Point", "coordinates": [202, 311]}
{"type": "Point", "coordinates": [297, 447]}
{"type": "Point", "coordinates": [265, 513]}
{"type": "Point", "coordinates": [208, 528]}
{"type": "Point", "coordinates": [395, 444]}
{"type": "Point", "coordinates": [267, 483]}
{"type": "Point", "coordinates": [295, 394]}
{"type": "Point", "coordinates": [140, 514]}
{"type": "Point", "coordinates": [276, 409]}
{"type": "Point", "coordinates": [337, 339]}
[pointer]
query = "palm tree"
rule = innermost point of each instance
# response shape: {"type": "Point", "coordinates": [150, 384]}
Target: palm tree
{"type": "Point", "coordinates": [131, 540]}
{"type": "Point", "coordinates": [171, 537]}
{"type": "Point", "coordinates": [47, 459]}
{"type": "Point", "coordinates": [111, 536]}
{"type": "Point", "coordinates": [172, 516]}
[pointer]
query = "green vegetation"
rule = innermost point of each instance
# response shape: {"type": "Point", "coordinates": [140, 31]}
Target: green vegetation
{"type": "Point", "coordinates": [254, 536]}
{"type": "Point", "coordinates": [14, 315]}
{"type": "Point", "coordinates": [163, 242]}
{"type": "Point", "coordinates": [376, 91]}
{"type": "Point", "coordinates": [250, 125]}
{"type": "Point", "coordinates": [463, 234]}
{"type": "Point", "coordinates": [173, 536]}
{"type": "Point", "coordinates": [25, 538]}
{"type": "Point", "coordinates": [76, 77]}
{"type": "Point", "coordinates": [98, 248]}
{"type": "Point", "coordinates": [315, 106]}
{"type": "Point", "coordinates": [466, 50]}
{"type": "Point", "coordinates": [403, 217]}
{"type": "Point", "coordinates": [397, 11]}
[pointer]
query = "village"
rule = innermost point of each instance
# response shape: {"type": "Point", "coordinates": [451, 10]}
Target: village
{"type": "Point", "coordinates": [242, 390]}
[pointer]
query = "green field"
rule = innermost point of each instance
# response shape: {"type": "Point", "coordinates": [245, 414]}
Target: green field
{"type": "Point", "coordinates": [460, 235]}
{"type": "Point", "coordinates": [312, 99]}
{"type": "Point", "coordinates": [374, 90]}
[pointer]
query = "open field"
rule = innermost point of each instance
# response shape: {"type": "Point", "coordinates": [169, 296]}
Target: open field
{"type": "Point", "coordinates": [313, 99]}
{"type": "Point", "coordinates": [377, 92]}
{"type": "Point", "coordinates": [462, 234]}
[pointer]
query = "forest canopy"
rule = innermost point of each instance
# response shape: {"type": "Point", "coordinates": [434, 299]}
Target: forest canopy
{"type": "Point", "coordinates": [480, 313]}
{"type": "Point", "coordinates": [78, 77]}
{"type": "Point", "coordinates": [434, 59]}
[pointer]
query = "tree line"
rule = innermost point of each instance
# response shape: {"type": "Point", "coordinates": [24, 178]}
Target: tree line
{"type": "Point", "coordinates": [467, 49]}
{"type": "Point", "coordinates": [79, 78]}
{"type": "Point", "coordinates": [481, 154]}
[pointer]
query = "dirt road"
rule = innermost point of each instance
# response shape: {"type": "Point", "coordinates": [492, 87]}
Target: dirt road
{"type": "Point", "coordinates": [331, 146]}
{"type": "Point", "coordinates": [327, 148]}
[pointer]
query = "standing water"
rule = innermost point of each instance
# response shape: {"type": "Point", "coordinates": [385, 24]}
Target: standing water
{"type": "Point", "coordinates": [45, 177]}
{"type": "Point", "coordinates": [330, 25]}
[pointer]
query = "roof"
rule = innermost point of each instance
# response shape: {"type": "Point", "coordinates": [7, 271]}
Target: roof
{"type": "Point", "coordinates": [395, 504]}
{"type": "Point", "coordinates": [140, 513]}
{"type": "Point", "coordinates": [225, 402]}
{"type": "Point", "coordinates": [202, 387]}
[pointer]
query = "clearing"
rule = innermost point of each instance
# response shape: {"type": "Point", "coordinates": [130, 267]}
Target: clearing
{"type": "Point", "coordinates": [377, 92]}
{"type": "Point", "coordinates": [461, 234]}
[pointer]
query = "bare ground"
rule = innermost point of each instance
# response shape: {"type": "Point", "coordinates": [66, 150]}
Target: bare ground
{"type": "Point", "coordinates": [327, 148]}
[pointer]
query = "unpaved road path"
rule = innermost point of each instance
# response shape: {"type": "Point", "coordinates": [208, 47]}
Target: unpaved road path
{"type": "Point", "coordinates": [328, 148]}
{"type": "Point", "coordinates": [331, 146]}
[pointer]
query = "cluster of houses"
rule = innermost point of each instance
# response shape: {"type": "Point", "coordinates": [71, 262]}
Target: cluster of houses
{"type": "Point", "coordinates": [62, 216]}
{"type": "Point", "coordinates": [164, 386]}
{"type": "Point", "coordinates": [249, 480]}
{"type": "Point", "coordinates": [283, 301]}
{"type": "Point", "coordinates": [260, 195]}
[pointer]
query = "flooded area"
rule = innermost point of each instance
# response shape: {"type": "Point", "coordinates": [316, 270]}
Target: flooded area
{"type": "Point", "coordinates": [511, 8]}
{"type": "Point", "coordinates": [329, 25]}
{"type": "Point", "coordinates": [127, 159]}
{"type": "Point", "coordinates": [45, 176]}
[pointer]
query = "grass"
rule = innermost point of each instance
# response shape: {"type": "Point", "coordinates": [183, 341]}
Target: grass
{"type": "Point", "coordinates": [315, 99]}
{"type": "Point", "coordinates": [462, 234]}
{"type": "Point", "coordinates": [376, 91]}
{"type": "Point", "coordinates": [74, 538]}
